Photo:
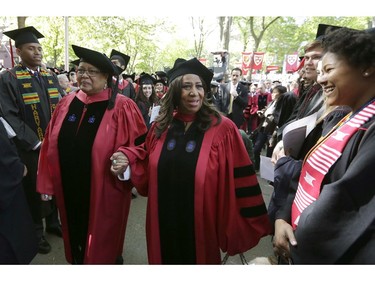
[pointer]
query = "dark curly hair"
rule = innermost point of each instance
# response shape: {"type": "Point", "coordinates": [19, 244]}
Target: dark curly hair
{"type": "Point", "coordinates": [357, 47]}
{"type": "Point", "coordinates": [171, 102]}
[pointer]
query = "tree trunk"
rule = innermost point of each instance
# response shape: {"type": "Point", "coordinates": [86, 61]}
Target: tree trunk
{"type": "Point", "coordinates": [226, 34]}
{"type": "Point", "coordinates": [225, 24]}
{"type": "Point", "coordinates": [21, 22]}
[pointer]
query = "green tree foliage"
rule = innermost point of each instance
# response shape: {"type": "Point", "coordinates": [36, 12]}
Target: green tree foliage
{"type": "Point", "coordinates": [140, 37]}
{"type": "Point", "coordinates": [132, 36]}
{"type": "Point", "coordinates": [285, 35]}
{"type": "Point", "coordinates": [53, 43]}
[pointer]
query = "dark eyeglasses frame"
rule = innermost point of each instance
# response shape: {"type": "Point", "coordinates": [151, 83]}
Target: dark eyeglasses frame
{"type": "Point", "coordinates": [89, 72]}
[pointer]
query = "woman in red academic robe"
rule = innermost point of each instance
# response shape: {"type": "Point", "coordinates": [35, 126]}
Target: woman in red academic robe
{"type": "Point", "coordinates": [74, 165]}
{"type": "Point", "coordinates": [203, 194]}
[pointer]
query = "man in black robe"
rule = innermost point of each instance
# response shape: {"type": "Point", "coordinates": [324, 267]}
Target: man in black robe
{"type": "Point", "coordinates": [18, 243]}
{"type": "Point", "coordinates": [121, 61]}
{"type": "Point", "coordinates": [29, 94]}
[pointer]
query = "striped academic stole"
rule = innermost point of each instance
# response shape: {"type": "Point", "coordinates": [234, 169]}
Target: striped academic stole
{"type": "Point", "coordinates": [322, 158]}
{"type": "Point", "coordinates": [30, 97]}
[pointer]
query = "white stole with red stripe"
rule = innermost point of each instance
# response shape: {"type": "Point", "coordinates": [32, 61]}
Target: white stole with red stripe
{"type": "Point", "coordinates": [322, 159]}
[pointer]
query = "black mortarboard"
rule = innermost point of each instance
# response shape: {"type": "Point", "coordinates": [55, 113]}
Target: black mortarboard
{"type": "Point", "coordinates": [24, 35]}
{"type": "Point", "coordinates": [54, 70]}
{"type": "Point", "coordinates": [75, 62]}
{"type": "Point", "coordinates": [95, 58]}
{"type": "Point", "coordinates": [245, 82]}
{"type": "Point", "coordinates": [324, 29]}
{"type": "Point", "coordinates": [218, 76]}
{"type": "Point", "coordinates": [124, 59]}
{"type": "Point", "coordinates": [192, 66]}
{"type": "Point", "coordinates": [146, 79]}
{"type": "Point", "coordinates": [161, 74]}
{"type": "Point", "coordinates": [161, 81]}
{"type": "Point", "coordinates": [132, 76]}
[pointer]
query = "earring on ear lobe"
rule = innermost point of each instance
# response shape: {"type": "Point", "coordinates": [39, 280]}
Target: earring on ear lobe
{"type": "Point", "coordinates": [105, 86]}
{"type": "Point", "coordinates": [366, 74]}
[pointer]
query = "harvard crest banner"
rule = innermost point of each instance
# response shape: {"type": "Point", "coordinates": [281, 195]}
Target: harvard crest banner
{"type": "Point", "coordinates": [257, 62]}
{"type": "Point", "coordinates": [291, 62]}
{"type": "Point", "coordinates": [246, 62]}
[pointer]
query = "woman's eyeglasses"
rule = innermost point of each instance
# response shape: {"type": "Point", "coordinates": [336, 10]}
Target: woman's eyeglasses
{"type": "Point", "coordinates": [90, 72]}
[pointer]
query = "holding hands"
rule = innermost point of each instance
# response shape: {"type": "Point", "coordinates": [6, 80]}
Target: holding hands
{"type": "Point", "coordinates": [119, 163]}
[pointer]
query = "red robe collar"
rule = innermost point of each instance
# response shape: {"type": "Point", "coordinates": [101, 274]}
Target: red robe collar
{"type": "Point", "coordinates": [86, 99]}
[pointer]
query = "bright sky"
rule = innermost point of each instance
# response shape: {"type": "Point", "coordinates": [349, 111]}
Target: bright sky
{"type": "Point", "coordinates": [180, 11]}
{"type": "Point", "coordinates": [177, 8]}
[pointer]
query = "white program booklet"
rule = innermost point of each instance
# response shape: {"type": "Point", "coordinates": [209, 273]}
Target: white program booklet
{"type": "Point", "coordinates": [294, 134]}
{"type": "Point", "coordinates": [266, 168]}
{"type": "Point", "coordinates": [11, 133]}
{"type": "Point", "coordinates": [154, 113]}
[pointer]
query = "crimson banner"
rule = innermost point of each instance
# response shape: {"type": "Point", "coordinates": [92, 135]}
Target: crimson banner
{"type": "Point", "coordinates": [257, 62]}
{"type": "Point", "coordinates": [246, 62]}
{"type": "Point", "coordinates": [203, 61]}
{"type": "Point", "coordinates": [301, 64]}
{"type": "Point", "coordinates": [272, 68]}
{"type": "Point", "coordinates": [291, 64]}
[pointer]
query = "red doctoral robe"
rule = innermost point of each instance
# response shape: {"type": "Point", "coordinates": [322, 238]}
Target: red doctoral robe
{"type": "Point", "coordinates": [110, 197]}
{"type": "Point", "coordinates": [223, 200]}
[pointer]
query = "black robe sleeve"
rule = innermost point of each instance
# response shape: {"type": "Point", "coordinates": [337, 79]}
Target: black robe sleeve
{"type": "Point", "coordinates": [11, 170]}
{"type": "Point", "coordinates": [12, 103]}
